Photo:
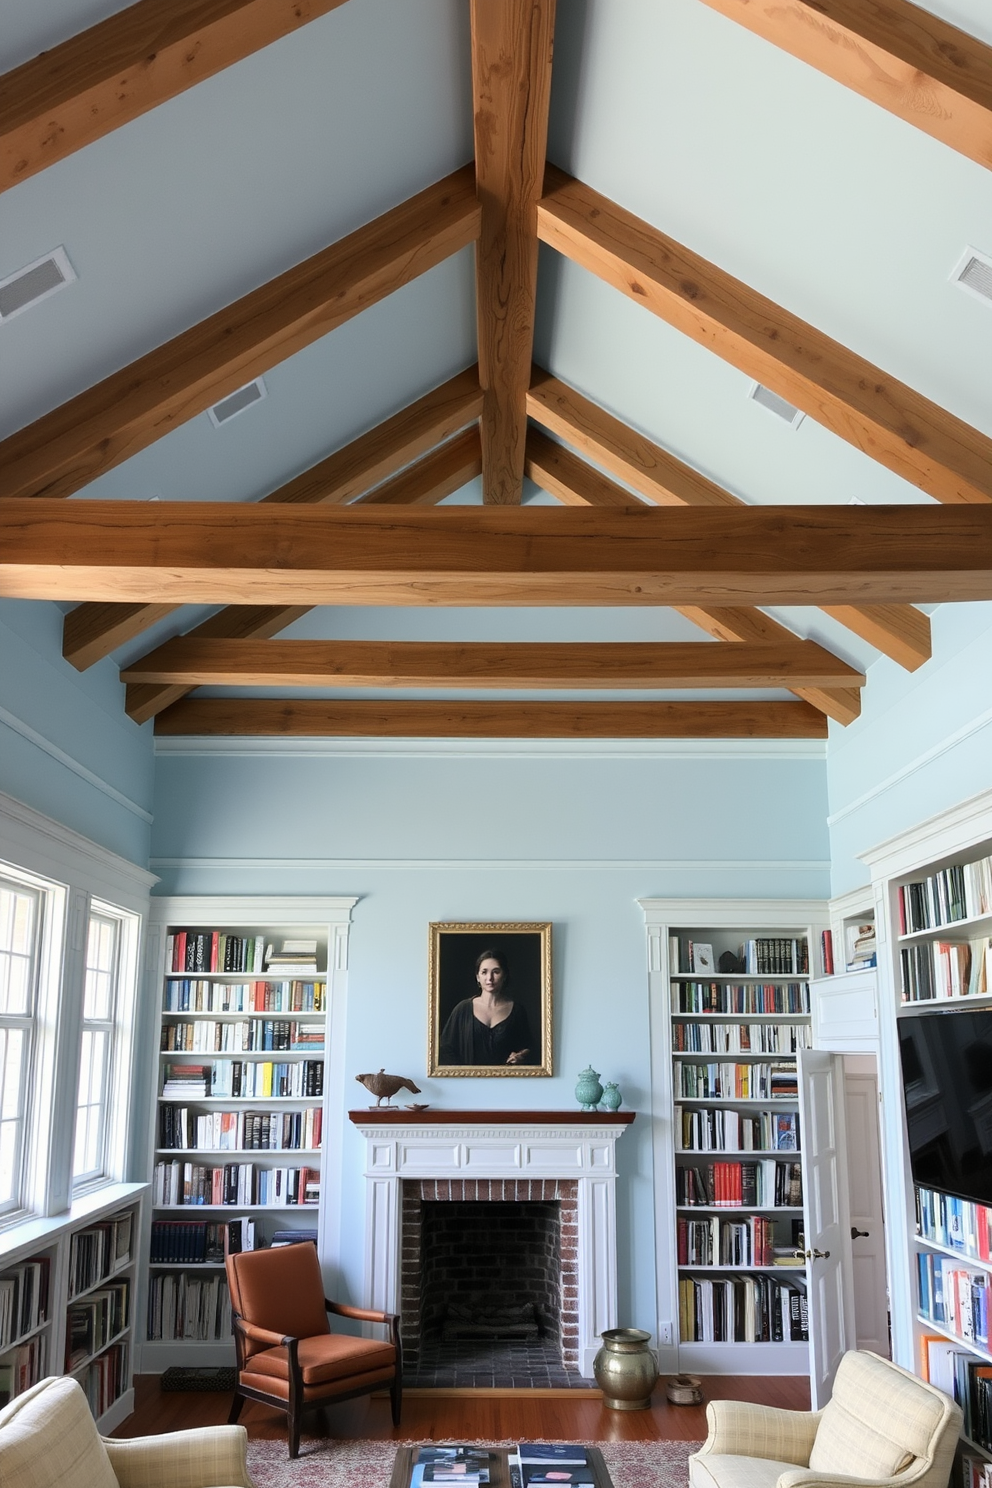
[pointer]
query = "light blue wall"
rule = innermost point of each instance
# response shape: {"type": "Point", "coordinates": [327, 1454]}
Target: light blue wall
{"type": "Point", "coordinates": [923, 742]}
{"type": "Point", "coordinates": [570, 839]}
{"type": "Point", "coordinates": [66, 746]}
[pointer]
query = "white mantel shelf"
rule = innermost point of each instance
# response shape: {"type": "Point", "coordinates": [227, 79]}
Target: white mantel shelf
{"type": "Point", "coordinates": [579, 1145]}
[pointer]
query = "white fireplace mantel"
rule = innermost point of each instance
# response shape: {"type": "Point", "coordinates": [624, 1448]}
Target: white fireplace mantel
{"type": "Point", "coordinates": [493, 1145]}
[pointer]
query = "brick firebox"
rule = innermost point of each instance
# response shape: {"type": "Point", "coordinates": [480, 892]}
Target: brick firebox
{"type": "Point", "coordinates": [560, 1191]}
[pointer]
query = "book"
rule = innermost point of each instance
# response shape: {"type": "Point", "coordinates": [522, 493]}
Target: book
{"type": "Point", "coordinates": [549, 1452]}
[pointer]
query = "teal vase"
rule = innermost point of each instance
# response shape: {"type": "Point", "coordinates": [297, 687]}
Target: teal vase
{"type": "Point", "coordinates": [588, 1091]}
{"type": "Point", "coordinates": [611, 1099]}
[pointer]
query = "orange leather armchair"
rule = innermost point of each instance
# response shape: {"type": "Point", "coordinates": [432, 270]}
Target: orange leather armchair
{"type": "Point", "coordinates": [287, 1355]}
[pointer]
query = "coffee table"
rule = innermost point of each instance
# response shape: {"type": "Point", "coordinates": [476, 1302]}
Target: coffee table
{"type": "Point", "coordinates": [499, 1473]}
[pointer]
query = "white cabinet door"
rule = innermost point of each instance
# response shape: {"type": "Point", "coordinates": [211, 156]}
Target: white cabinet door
{"type": "Point", "coordinates": [827, 1218]}
{"type": "Point", "coordinates": [864, 1167]}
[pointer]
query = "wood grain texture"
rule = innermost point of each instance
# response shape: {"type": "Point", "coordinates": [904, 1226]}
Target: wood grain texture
{"type": "Point", "coordinates": [82, 89]}
{"type": "Point", "coordinates": [71, 446]}
{"type": "Point", "coordinates": [190, 552]}
{"type": "Point", "coordinates": [92, 631]}
{"type": "Point", "coordinates": [890, 422]}
{"type": "Point", "coordinates": [897, 55]}
{"type": "Point", "coordinates": [640, 664]}
{"type": "Point", "coordinates": [512, 43]}
{"type": "Point", "coordinates": [312, 718]}
{"type": "Point", "coordinates": [431, 479]}
{"type": "Point", "coordinates": [898, 631]}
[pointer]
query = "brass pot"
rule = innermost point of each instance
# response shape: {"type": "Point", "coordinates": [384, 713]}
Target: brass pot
{"type": "Point", "coordinates": [626, 1369]}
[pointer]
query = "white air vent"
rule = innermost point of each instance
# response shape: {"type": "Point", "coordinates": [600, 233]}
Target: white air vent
{"type": "Point", "coordinates": [974, 273]}
{"type": "Point", "coordinates": [34, 283]}
{"type": "Point", "coordinates": [235, 403]}
{"type": "Point", "coordinates": [765, 398]}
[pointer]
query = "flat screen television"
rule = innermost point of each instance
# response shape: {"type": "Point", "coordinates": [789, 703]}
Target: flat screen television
{"type": "Point", "coordinates": [947, 1087]}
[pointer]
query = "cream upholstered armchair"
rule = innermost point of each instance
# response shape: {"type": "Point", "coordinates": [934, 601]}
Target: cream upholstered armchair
{"type": "Point", "coordinates": [48, 1440]}
{"type": "Point", "coordinates": [882, 1426]}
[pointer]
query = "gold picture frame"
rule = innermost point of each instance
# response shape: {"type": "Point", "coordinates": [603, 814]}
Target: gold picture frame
{"type": "Point", "coordinates": [458, 1042]}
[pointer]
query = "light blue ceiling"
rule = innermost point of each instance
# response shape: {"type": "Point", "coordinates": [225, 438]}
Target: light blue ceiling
{"type": "Point", "coordinates": [835, 209]}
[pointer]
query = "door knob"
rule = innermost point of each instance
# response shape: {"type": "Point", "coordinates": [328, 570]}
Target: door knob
{"type": "Point", "coordinates": [858, 1234]}
{"type": "Point", "coordinates": [817, 1255]}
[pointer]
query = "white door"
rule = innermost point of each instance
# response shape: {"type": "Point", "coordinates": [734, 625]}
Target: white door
{"type": "Point", "coordinates": [864, 1174]}
{"type": "Point", "coordinates": [826, 1216]}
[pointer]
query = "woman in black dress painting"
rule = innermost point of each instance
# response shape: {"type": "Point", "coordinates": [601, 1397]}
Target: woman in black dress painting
{"type": "Point", "coordinates": [489, 1028]}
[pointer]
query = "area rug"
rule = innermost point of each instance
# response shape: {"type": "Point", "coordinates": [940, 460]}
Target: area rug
{"type": "Point", "coordinates": [325, 1463]}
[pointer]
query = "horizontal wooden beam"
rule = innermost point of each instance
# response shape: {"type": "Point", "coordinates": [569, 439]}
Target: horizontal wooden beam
{"type": "Point", "coordinates": [437, 475]}
{"type": "Point", "coordinates": [192, 553]}
{"type": "Point", "coordinates": [80, 90]}
{"type": "Point", "coordinates": [895, 54]}
{"type": "Point", "coordinates": [898, 631]}
{"type": "Point", "coordinates": [640, 664]}
{"type": "Point", "coordinates": [92, 631]}
{"type": "Point", "coordinates": [892, 423]}
{"type": "Point", "coordinates": [310, 718]}
{"type": "Point", "coordinates": [68, 448]}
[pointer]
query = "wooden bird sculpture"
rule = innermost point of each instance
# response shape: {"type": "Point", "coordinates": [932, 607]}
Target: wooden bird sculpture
{"type": "Point", "coordinates": [384, 1086]}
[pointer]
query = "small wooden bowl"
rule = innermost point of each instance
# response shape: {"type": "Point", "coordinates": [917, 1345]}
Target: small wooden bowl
{"type": "Point", "coordinates": [684, 1389]}
{"type": "Point", "coordinates": [423, 1107]}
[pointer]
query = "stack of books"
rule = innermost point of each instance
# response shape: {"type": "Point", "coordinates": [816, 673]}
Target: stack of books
{"type": "Point", "coordinates": [543, 1464]}
{"type": "Point", "coordinates": [455, 1465]}
{"type": "Point", "coordinates": [292, 958]}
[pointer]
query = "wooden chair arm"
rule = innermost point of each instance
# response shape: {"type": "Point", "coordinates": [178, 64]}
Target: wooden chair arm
{"type": "Point", "coordinates": [263, 1335]}
{"type": "Point", "coordinates": [363, 1314]}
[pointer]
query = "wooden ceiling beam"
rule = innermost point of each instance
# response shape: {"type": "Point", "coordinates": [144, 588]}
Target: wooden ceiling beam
{"type": "Point", "coordinates": [898, 631]}
{"type": "Point", "coordinates": [312, 718]}
{"type": "Point", "coordinates": [120, 68]}
{"type": "Point", "coordinates": [890, 422]}
{"type": "Point", "coordinates": [897, 55]}
{"type": "Point", "coordinates": [92, 631]}
{"type": "Point", "coordinates": [69, 447]}
{"type": "Point", "coordinates": [437, 475]}
{"type": "Point", "coordinates": [575, 483]}
{"type": "Point", "coordinates": [637, 664]}
{"type": "Point", "coordinates": [512, 43]}
{"type": "Point", "coordinates": [192, 553]}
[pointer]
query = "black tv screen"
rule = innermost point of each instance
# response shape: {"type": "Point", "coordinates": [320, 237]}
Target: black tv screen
{"type": "Point", "coordinates": [947, 1087]}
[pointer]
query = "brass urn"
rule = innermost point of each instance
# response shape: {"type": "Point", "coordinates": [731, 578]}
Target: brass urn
{"type": "Point", "coordinates": [626, 1369]}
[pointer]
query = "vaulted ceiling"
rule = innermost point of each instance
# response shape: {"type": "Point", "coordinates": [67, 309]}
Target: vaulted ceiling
{"type": "Point", "coordinates": [484, 256]}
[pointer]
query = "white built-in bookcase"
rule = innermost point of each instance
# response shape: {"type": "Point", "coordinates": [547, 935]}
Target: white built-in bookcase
{"type": "Point", "coordinates": [724, 924]}
{"type": "Point", "coordinates": [273, 920]}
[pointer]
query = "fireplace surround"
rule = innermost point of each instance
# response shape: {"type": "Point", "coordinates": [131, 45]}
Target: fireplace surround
{"type": "Point", "coordinates": [566, 1158]}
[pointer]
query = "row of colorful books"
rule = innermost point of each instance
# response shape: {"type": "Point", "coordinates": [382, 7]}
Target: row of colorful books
{"type": "Point", "coordinates": [728, 1242]}
{"type": "Point", "coordinates": [181, 1306]}
{"type": "Point", "coordinates": [93, 1322]}
{"type": "Point", "coordinates": [187, 996]}
{"type": "Point", "coordinates": [739, 1038]}
{"type": "Point", "coordinates": [766, 1183]}
{"type": "Point", "coordinates": [214, 951]}
{"type": "Point", "coordinates": [725, 1081]}
{"type": "Point", "coordinates": [245, 1079]}
{"type": "Point", "coordinates": [23, 1367]}
{"type": "Point", "coordinates": [942, 969]}
{"type": "Point", "coordinates": [233, 1131]}
{"type": "Point", "coordinates": [954, 1296]}
{"type": "Point", "coordinates": [956, 1372]}
{"type": "Point", "coordinates": [954, 1222]}
{"type": "Point", "coordinates": [707, 1130]}
{"type": "Point", "coordinates": [961, 892]}
{"type": "Point", "coordinates": [23, 1299]}
{"type": "Point", "coordinates": [744, 997]}
{"type": "Point", "coordinates": [743, 1309]}
{"type": "Point", "coordinates": [105, 1380]}
{"type": "Point", "coordinates": [206, 1036]}
{"type": "Point", "coordinates": [530, 1464]}
{"type": "Point", "coordinates": [235, 1184]}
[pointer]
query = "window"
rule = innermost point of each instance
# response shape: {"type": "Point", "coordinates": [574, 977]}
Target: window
{"type": "Point", "coordinates": [96, 1046]}
{"type": "Point", "coordinates": [20, 915]}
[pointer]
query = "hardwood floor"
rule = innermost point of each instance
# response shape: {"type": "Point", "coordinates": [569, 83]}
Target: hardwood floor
{"type": "Point", "coordinates": [479, 1416]}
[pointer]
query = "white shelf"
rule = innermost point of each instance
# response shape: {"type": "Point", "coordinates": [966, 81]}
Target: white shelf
{"type": "Point", "coordinates": [244, 976]}
{"type": "Point", "coordinates": [90, 1358]}
{"type": "Point", "coordinates": [966, 1343]}
{"type": "Point", "coordinates": [192, 1152]}
{"type": "Point", "coordinates": [745, 1358]}
{"type": "Point", "coordinates": [948, 1250]}
{"type": "Point", "coordinates": [264, 1055]}
{"type": "Point", "coordinates": [733, 977]}
{"type": "Point", "coordinates": [783, 1152]}
{"type": "Point", "coordinates": [233, 1209]}
{"type": "Point", "coordinates": [25, 1337]}
{"type": "Point", "coordinates": [697, 1270]}
{"type": "Point", "coordinates": [313, 1015]}
{"type": "Point", "coordinates": [732, 1056]}
{"type": "Point", "coordinates": [978, 924]}
{"type": "Point", "coordinates": [185, 1266]}
{"type": "Point", "coordinates": [682, 1015]}
{"type": "Point", "coordinates": [932, 1004]}
{"type": "Point", "coordinates": [973, 1446]}
{"type": "Point", "coordinates": [740, 1209]}
{"type": "Point", "coordinates": [765, 1102]}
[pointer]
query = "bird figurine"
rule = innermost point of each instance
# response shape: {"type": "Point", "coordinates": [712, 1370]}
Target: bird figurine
{"type": "Point", "coordinates": [384, 1086]}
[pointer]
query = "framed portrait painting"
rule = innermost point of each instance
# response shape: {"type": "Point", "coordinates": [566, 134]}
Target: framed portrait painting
{"type": "Point", "coordinates": [489, 999]}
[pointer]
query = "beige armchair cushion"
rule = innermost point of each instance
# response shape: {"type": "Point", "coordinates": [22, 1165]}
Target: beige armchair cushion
{"type": "Point", "coordinates": [877, 1420]}
{"type": "Point", "coordinates": [48, 1439]}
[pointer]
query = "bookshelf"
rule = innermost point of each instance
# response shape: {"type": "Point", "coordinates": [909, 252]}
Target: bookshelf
{"type": "Point", "coordinates": [725, 1041]}
{"type": "Point", "coordinates": [247, 992]}
{"type": "Point", "coordinates": [67, 1288]}
{"type": "Point", "coordinates": [933, 899]}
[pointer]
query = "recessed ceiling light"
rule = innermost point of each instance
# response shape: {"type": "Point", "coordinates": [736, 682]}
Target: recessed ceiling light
{"type": "Point", "coordinates": [973, 272]}
{"type": "Point", "coordinates": [34, 283]}
{"type": "Point", "coordinates": [765, 398]}
{"type": "Point", "coordinates": [237, 402]}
